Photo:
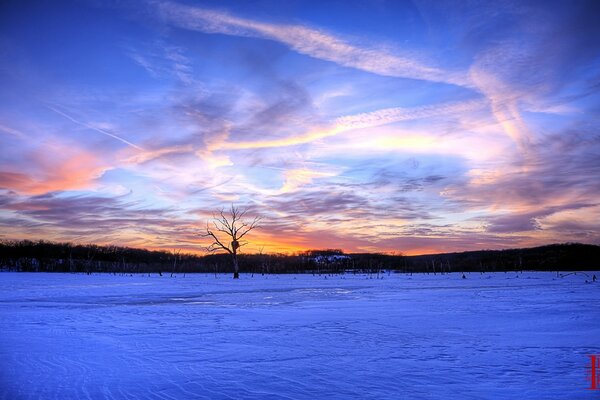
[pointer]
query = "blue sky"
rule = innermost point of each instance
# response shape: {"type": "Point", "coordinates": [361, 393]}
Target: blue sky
{"type": "Point", "coordinates": [417, 126]}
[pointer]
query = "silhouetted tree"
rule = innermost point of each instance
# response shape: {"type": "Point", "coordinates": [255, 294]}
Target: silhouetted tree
{"type": "Point", "coordinates": [227, 231]}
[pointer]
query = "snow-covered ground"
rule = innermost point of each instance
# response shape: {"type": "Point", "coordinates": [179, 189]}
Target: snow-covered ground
{"type": "Point", "coordinates": [66, 336]}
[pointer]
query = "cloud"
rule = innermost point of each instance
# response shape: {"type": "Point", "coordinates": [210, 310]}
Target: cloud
{"type": "Point", "coordinates": [12, 132]}
{"type": "Point", "coordinates": [308, 41]}
{"type": "Point", "coordinates": [296, 178]}
{"type": "Point", "coordinates": [416, 244]}
{"type": "Point", "coordinates": [519, 197]}
{"type": "Point", "coordinates": [514, 223]}
{"type": "Point", "coordinates": [161, 152]}
{"type": "Point", "coordinates": [525, 54]}
{"type": "Point", "coordinates": [361, 121]}
{"type": "Point", "coordinates": [101, 220]}
{"type": "Point", "coordinates": [398, 114]}
{"type": "Point", "coordinates": [583, 223]}
{"type": "Point", "coordinates": [290, 107]}
{"type": "Point", "coordinates": [318, 202]}
{"type": "Point", "coordinates": [161, 60]}
{"type": "Point", "coordinates": [504, 152]}
{"type": "Point", "coordinates": [70, 169]}
{"type": "Point", "coordinates": [504, 99]}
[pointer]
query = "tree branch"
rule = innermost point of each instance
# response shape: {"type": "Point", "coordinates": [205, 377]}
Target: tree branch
{"type": "Point", "coordinates": [231, 228]}
{"type": "Point", "coordinates": [253, 225]}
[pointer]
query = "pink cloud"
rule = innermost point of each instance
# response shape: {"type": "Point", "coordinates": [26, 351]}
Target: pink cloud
{"type": "Point", "coordinates": [56, 169]}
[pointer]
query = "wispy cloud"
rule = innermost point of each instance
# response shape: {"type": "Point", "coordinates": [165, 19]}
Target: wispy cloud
{"type": "Point", "coordinates": [161, 60]}
{"type": "Point", "coordinates": [504, 101]}
{"type": "Point", "coordinates": [312, 42]}
{"type": "Point", "coordinates": [12, 131]}
{"type": "Point", "coordinates": [361, 121]}
{"type": "Point", "coordinates": [144, 156]}
{"type": "Point", "coordinates": [397, 114]}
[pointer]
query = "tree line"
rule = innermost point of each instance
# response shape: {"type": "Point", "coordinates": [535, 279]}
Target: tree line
{"type": "Point", "coordinates": [43, 256]}
{"type": "Point", "coordinates": [553, 257]}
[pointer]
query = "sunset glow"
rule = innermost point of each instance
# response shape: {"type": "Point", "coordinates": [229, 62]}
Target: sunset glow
{"type": "Point", "coordinates": [384, 126]}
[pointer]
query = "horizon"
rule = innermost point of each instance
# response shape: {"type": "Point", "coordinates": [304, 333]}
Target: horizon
{"type": "Point", "coordinates": [384, 126]}
{"type": "Point", "coordinates": [200, 253]}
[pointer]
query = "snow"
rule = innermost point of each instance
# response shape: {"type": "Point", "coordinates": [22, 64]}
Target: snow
{"type": "Point", "coordinates": [502, 335]}
{"type": "Point", "coordinates": [330, 258]}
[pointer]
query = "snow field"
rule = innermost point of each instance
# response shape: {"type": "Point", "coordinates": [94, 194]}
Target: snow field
{"type": "Point", "coordinates": [501, 335]}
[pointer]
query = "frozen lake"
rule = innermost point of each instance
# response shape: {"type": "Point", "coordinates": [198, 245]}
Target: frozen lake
{"type": "Point", "coordinates": [66, 336]}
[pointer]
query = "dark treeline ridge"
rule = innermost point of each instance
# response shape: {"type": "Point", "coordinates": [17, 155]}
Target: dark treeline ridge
{"type": "Point", "coordinates": [43, 256]}
{"type": "Point", "coordinates": [553, 257]}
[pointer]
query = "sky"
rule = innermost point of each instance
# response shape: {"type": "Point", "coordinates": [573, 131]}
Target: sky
{"type": "Point", "coordinates": [370, 126]}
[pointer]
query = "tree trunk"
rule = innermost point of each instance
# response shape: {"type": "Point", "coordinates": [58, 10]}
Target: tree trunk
{"type": "Point", "coordinates": [236, 267]}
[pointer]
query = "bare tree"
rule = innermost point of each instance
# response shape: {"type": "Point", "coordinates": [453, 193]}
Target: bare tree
{"type": "Point", "coordinates": [227, 231]}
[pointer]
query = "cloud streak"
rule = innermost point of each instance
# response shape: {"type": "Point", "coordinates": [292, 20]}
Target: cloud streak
{"type": "Point", "coordinates": [94, 128]}
{"type": "Point", "coordinates": [312, 42]}
{"type": "Point", "coordinates": [364, 120]}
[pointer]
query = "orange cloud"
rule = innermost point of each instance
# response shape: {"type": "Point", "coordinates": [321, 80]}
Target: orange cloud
{"type": "Point", "coordinates": [361, 121]}
{"type": "Point", "coordinates": [56, 169]}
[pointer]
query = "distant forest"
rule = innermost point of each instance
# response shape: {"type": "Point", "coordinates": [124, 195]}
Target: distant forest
{"type": "Point", "coordinates": [42, 256]}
